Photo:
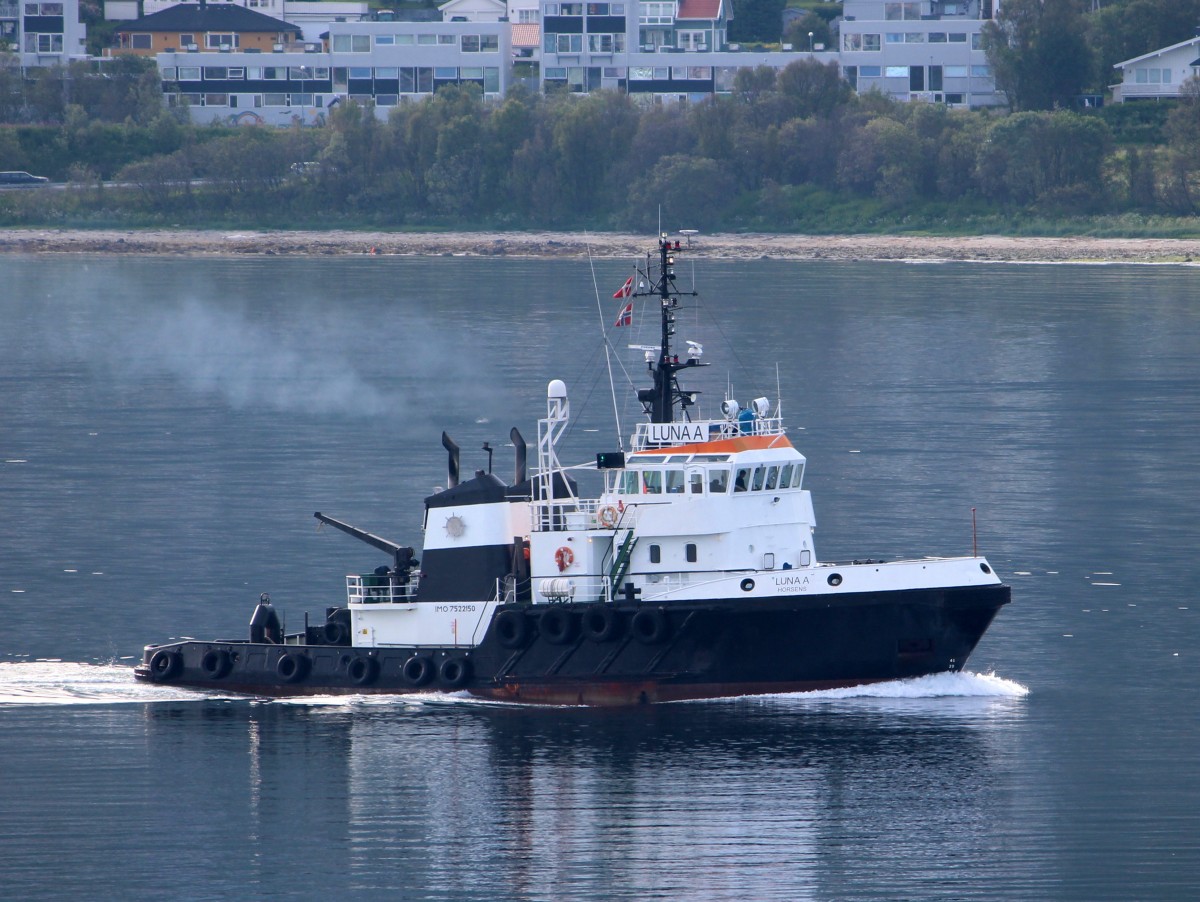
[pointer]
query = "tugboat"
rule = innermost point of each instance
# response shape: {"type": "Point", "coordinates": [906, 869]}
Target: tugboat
{"type": "Point", "coordinates": [693, 574]}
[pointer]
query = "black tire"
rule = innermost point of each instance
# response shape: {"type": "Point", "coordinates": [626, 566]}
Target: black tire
{"type": "Point", "coordinates": [165, 665]}
{"type": "Point", "coordinates": [650, 626]}
{"type": "Point", "coordinates": [292, 667]}
{"type": "Point", "coordinates": [336, 633]}
{"type": "Point", "coordinates": [455, 672]}
{"type": "Point", "coordinates": [417, 670]}
{"type": "Point", "coordinates": [364, 671]}
{"type": "Point", "coordinates": [601, 623]}
{"type": "Point", "coordinates": [216, 663]}
{"type": "Point", "coordinates": [558, 625]}
{"type": "Point", "coordinates": [512, 629]}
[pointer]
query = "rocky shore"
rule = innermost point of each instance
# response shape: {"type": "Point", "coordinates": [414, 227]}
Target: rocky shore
{"type": "Point", "coordinates": [604, 244]}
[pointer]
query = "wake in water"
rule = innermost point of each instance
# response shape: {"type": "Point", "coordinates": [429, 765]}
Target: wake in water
{"type": "Point", "coordinates": [64, 683]}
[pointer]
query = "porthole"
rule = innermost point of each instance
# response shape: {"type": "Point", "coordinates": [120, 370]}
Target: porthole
{"type": "Point", "coordinates": [747, 585]}
{"type": "Point", "coordinates": [835, 579]}
{"type": "Point", "coordinates": [985, 568]}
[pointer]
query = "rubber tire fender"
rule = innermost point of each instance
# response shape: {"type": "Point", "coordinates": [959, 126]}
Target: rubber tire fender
{"type": "Point", "coordinates": [512, 628]}
{"type": "Point", "coordinates": [601, 623]}
{"type": "Point", "coordinates": [650, 626]}
{"type": "Point", "coordinates": [165, 665]}
{"type": "Point", "coordinates": [363, 671]}
{"type": "Point", "coordinates": [417, 670]}
{"type": "Point", "coordinates": [216, 663]}
{"type": "Point", "coordinates": [292, 667]}
{"type": "Point", "coordinates": [558, 625]}
{"type": "Point", "coordinates": [455, 671]}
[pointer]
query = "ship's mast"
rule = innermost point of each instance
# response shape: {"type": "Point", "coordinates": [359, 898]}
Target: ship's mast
{"type": "Point", "coordinates": [660, 401]}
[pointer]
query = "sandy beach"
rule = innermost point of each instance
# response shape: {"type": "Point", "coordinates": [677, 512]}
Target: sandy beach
{"type": "Point", "coordinates": [602, 244]}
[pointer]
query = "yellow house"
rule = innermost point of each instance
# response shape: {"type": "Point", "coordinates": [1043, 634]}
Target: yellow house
{"type": "Point", "coordinates": [200, 27]}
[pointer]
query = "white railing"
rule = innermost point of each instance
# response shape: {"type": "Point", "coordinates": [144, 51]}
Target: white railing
{"type": "Point", "coordinates": [570, 589]}
{"type": "Point", "coordinates": [373, 589]}
{"type": "Point", "coordinates": [581, 514]}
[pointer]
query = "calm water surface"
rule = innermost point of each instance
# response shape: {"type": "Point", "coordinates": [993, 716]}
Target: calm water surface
{"type": "Point", "coordinates": [167, 428]}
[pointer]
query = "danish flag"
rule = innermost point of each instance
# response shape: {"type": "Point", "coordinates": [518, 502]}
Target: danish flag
{"type": "Point", "coordinates": [625, 290]}
{"type": "Point", "coordinates": [625, 317]}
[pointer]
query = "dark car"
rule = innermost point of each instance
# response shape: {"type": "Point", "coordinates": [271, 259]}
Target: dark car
{"type": "Point", "coordinates": [21, 178]}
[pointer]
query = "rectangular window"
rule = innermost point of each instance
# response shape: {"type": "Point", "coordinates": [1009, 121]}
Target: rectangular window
{"type": "Point", "coordinates": [935, 78]}
{"type": "Point", "coordinates": [339, 78]}
{"type": "Point", "coordinates": [957, 38]}
{"type": "Point", "coordinates": [189, 73]}
{"type": "Point", "coordinates": [916, 78]}
{"type": "Point", "coordinates": [385, 40]}
{"type": "Point", "coordinates": [894, 37]}
{"type": "Point", "coordinates": [408, 81]}
{"type": "Point", "coordinates": [237, 73]}
{"type": "Point", "coordinates": [275, 100]}
{"type": "Point", "coordinates": [341, 43]}
{"type": "Point", "coordinates": [914, 37]}
{"type": "Point", "coordinates": [491, 80]}
{"type": "Point", "coordinates": [656, 554]}
{"type": "Point", "coordinates": [302, 100]}
{"type": "Point", "coordinates": [571, 9]}
{"type": "Point", "coordinates": [954, 98]}
{"type": "Point", "coordinates": [525, 16]}
{"type": "Point", "coordinates": [216, 73]}
{"type": "Point", "coordinates": [741, 482]}
{"type": "Point", "coordinates": [955, 71]}
{"type": "Point", "coordinates": [675, 482]}
{"type": "Point", "coordinates": [718, 482]}
{"type": "Point", "coordinates": [976, 41]}
{"type": "Point", "coordinates": [360, 71]}
{"type": "Point", "coordinates": [388, 72]}
{"type": "Point", "coordinates": [473, 72]}
{"type": "Point", "coordinates": [981, 71]}
{"type": "Point", "coordinates": [895, 71]}
{"type": "Point", "coordinates": [386, 99]}
{"type": "Point", "coordinates": [426, 39]}
{"type": "Point", "coordinates": [785, 476]}
{"type": "Point", "coordinates": [215, 41]}
{"type": "Point", "coordinates": [444, 73]}
{"type": "Point", "coordinates": [470, 43]}
{"type": "Point", "coordinates": [489, 43]}
{"type": "Point", "coordinates": [186, 40]}
{"type": "Point", "coordinates": [871, 42]}
{"type": "Point", "coordinates": [140, 41]}
{"type": "Point", "coordinates": [49, 43]}
{"type": "Point", "coordinates": [759, 473]}
{"type": "Point", "coordinates": [167, 73]}
{"type": "Point", "coordinates": [216, 100]}
{"type": "Point", "coordinates": [652, 482]}
{"type": "Point", "coordinates": [360, 43]}
{"type": "Point", "coordinates": [275, 73]}
{"type": "Point", "coordinates": [447, 39]}
{"type": "Point", "coordinates": [772, 479]}
{"type": "Point", "coordinates": [690, 551]}
{"type": "Point", "coordinates": [937, 37]}
{"type": "Point", "coordinates": [299, 73]}
{"type": "Point", "coordinates": [597, 9]}
{"type": "Point", "coordinates": [424, 80]}
{"type": "Point", "coordinates": [870, 71]}
{"type": "Point", "coordinates": [406, 39]}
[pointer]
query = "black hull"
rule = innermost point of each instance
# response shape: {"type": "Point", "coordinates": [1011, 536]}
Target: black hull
{"type": "Point", "coordinates": [622, 653]}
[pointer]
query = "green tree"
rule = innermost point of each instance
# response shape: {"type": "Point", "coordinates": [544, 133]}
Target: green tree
{"type": "Point", "coordinates": [757, 20]}
{"type": "Point", "coordinates": [1038, 53]}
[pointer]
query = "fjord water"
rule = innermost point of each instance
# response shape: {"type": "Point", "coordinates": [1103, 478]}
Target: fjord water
{"type": "Point", "coordinates": [168, 426]}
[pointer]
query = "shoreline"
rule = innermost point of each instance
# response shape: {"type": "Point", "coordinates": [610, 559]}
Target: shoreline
{"type": "Point", "coordinates": [237, 243]}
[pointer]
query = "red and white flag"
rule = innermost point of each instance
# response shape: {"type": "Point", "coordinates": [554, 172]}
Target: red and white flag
{"type": "Point", "coordinates": [625, 290]}
{"type": "Point", "coordinates": [625, 317]}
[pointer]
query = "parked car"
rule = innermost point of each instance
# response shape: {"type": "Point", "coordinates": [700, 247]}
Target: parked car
{"type": "Point", "coordinates": [21, 178]}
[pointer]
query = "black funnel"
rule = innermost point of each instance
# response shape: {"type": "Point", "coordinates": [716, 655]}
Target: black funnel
{"type": "Point", "coordinates": [522, 452]}
{"type": "Point", "coordinates": [449, 444]}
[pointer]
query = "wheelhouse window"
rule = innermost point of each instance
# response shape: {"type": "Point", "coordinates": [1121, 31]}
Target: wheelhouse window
{"type": "Point", "coordinates": [675, 482]}
{"type": "Point", "coordinates": [741, 482]}
{"type": "Point", "coordinates": [652, 482]}
{"type": "Point", "coordinates": [772, 478]}
{"type": "Point", "coordinates": [718, 481]}
{"type": "Point", "coordinates": [696, 482]}
{"type": "Point", "coordinates": [759, 474]}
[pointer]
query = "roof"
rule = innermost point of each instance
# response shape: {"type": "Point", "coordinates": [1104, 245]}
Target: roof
{"type": "Point", "coordinates": [1159, 52]}
{"type": "Point", "coordinates": [527, 34]}
{"type": "Point", "coordinates": [699, 9]}
{"type": "Point", "coordinates": [204, 18]}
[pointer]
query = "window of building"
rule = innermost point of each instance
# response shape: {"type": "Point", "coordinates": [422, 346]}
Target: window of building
{"type": "Point", "coordinates": [445, 73]}
{"type": "Point", "coordinates": [427, 39]}
{"type": "Point", "coordinates": [606, 43]}
{"type": "Point", "coordinates": [569, 43]}
{"type": "Point", "coordinates": [954, 98]}
{"type": "Point", "coordinates": [385, 40]}
{"type": "Point", "coordinates": [186, 40]}
{"type": "Point", "coordinates": [870, 71]}
{"type": "Point", "coordinates": [955, 71]}
{"type": "Point", "coordinates": [216, 100]}
{"type": "Point", "coordinates": [597, 9]}
{"type": "Point", "coordinates": [527, 15]}
{"type": "Point", "coordinates": [189, 73]}
{"type": "Point", "coordinates": [871, 42]}
{"type": "Point", "coordinates": [167, 73]}
{"type": "Point", "coordinates": [657, 13]}
{"type": "Point", "coordinates": [216, 73]}
{"type": "Point", "coordinates": [140, 42]}
{"type": "Point", "coordinates": [217, 40]}
{"type": "Point", "coordinates": [905, 10]}
{"type": "Point", "coordinates": [236, 73]}
{"type": "Point", "coordinates": [470, 43]}
{"type": "Point", "coordinates": [957, 38]}
{"type": "Point", "coordinates": [692, 40]}
{"type": "Point", "coordinates": [894, 37]}
{"type": "Point", "coordinates": [43, 43]}
{"type": "Point", "coordinates": [914, 37]}
{"type": "Point", "coordinates": [981, 71]}
{"type": "Point", "coordinates": [275, 100]}
{"type": "Point", "coordinates": [895, 71]}
{"type": "Point", "coordinates": [386, 99]}
{"type": "Point", "coordinates": [570, 9]}
{"type": "Point", "coordinates": [360, 71]}
{"type": "Point", "coordinates": [976, 41]}
{"type": "Point", "coordinates": [447, 39]}
{"type": "Point", "coordinates": [489, 43]}
{"type": "Point", "coordinates": [274, 73]}
{"type": "Point", "coordinates": [406, 39]}
{"type": "Point", "coordinates": [937, 37]}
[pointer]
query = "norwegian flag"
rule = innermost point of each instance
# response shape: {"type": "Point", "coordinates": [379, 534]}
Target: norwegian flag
{"type": "Point", "coordinates": [625, 290]}
{"type": "Point", "coordinates": [625, 317]}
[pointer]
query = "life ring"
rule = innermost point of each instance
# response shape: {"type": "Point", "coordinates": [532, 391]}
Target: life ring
{"type": "Point", "coordinates": [512, 629]}
{"type": "Point", "coordinates": [558, 625]}
{"type": "Point", "coordinates": [564, 557]}
{"type": "Point", "coordinates": [601, 623]}
{"type": "Point", "coordinates": [364, 671]}
{"type": "Point", "coordinates": [608, 516]}
{"type": "Point", "coordinates": [216, 663]}
{"type": "Point", "coordinates": [291, 667]}
{"type": "Point", "coordinates": [455, 671]}
{"type": "Point", "coordinates": [165, 665]}
{"type": "Point", "coordinates": [417, 670]}
{"type": "Point", "coordinates": [650, 625]}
